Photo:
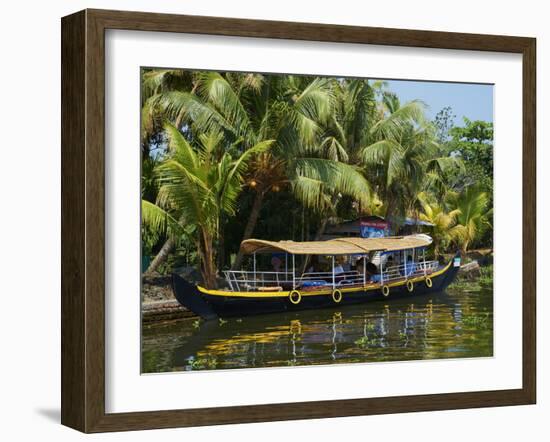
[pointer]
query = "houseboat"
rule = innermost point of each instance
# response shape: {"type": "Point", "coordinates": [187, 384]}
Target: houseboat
{"type": "Point", "coordinates": [318, 274]}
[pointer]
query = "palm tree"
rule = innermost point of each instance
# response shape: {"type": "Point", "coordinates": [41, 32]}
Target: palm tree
{"type": "Point", "coordinates": [266, 173]}
{"type": "Point", "coordinates": [205, 105]}
{"type": "Point", "coordinates": [344, 133]}
{"type": "Point", "coordinates": [472, 215]}
{"type": "Point", "coordinates": [403, 159]}
{"type": "Point", "coordinates": [444, 230]}
{"type": "Point", "coordinates": [396, 154]}
{"type": "Point", "coordinates": [249, 108]}
{"type": "Point", "coordinates": [302, 158]}
{"type": "Point", "coordinates": [197, 185]}
{"type": "Point", "coordinates": [288, 109]}
{"type": "Point", "coordinates": [154, 82]}
{"type": "Point", "coordinates": [331, 138]}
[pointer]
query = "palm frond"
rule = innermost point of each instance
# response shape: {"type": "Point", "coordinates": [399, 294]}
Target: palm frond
{"type": "Point", "coordinates": [392, 126]}
{"type": "Point", "coordinates": [336, 177]}
{"type": "Point", "coordinates": [215, 89]}
{"type": "Point", "coordinates": [161, 80]}
{"type": "Point", "coordinates": [386, 153]}
{"type": "Point", "coordinates": [181, 150]}
{"type": "Point", "coordinates": [310, 192]}
{"type": "Point", "coordinates": [233, 172]}
{"type": "Point", "coordinates": [159, 220]}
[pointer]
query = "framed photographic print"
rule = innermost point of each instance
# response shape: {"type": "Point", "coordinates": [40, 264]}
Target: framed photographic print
{"type": "Point", "coordinates": [268, 221]}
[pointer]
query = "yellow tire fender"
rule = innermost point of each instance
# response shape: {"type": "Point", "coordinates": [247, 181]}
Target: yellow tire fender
{"type": "Point", "coordinates": [295, 297]}
{"type": "Point", "coordinates": [410, 285]}
{"type": "Point", "coordinates": [429, 282]}
{"type": "Point", "coordinates": [336, 296]}
{"type": "Point", "coordinates": [385, 290]}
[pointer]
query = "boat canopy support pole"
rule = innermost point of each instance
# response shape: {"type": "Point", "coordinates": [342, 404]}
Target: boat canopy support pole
{"type": "Point", "coordinates": [364, 270]}
{"type": "Point", "coordinates": [405, 265]}
{"type": "Point", "coordinates": [381, 270]}
{"type": "Point", "coordinates": [333, 274]}
{"type": "Point", "coordinates": [255, 270]}
{"type": "Point", "coordinates": [293, 271]}
{"type": "Point", "coordinates": [424, 260]}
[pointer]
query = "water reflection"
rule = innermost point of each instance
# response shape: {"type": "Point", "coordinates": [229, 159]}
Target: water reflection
{"type": "Point", "coordinates": [445, 325]}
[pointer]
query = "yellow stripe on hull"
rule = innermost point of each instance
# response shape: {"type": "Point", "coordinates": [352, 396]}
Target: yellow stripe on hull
{"type": "Point", "coordinates": [285, 294]}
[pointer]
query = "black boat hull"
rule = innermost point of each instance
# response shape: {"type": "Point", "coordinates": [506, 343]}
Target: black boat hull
{"type": "Point", "coordinates": [212, 304]}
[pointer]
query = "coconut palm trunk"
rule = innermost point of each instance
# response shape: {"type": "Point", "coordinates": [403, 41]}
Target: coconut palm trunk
{"type": "Point", "coordinates": [208, 263]}
{"type": "Point", "coordinates": [324, 221]}
{"type": "Point", "coordinates": [162, 255]}
{"type": "Point", "coordinates": [250, 225]}
{"type": "Point", "coordinates": [322, 227]}
{"type": "Point", "coordinates": [390, 212]}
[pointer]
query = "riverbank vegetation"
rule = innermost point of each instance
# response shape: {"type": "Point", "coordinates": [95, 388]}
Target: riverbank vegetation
{"type": "Point", "coordinates": [482, 280]}
{"type": "Point", "coordinates": [228, 156]}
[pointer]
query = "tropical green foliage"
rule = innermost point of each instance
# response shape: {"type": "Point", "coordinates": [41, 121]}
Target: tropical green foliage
{"type": "Point", "coordinates": [444, 231]}
{"type": "Point", "coordinates": [473, 215]}
{"type": "Point", "coordinates": [221, 149]}
{"type": "Point", "coordinates": [471, 188]}
{"type": "Point", "coordinates": [473, 143]}
{"type": "Point", "coordinates": [197, 186]}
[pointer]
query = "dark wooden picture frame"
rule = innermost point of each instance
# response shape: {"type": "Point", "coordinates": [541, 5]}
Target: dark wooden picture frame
{"type": "Point", "coordinates": [83, 216]}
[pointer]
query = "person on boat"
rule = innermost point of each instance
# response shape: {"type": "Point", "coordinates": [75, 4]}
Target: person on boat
{"type": "Point", "coordinates": [339, 268]}
{"type": "Point", "coordinates": [410, 266]}
{"type": "Point", "coordinates": [389, 262]}
{"type": "Point", "coordinates": [359, 264]}
{"type": "Point", "coordinates": [314, 265]}
{"type": "Point", "coordinates": [371, 272]}
{"type": "Point", "coordinates": [346, 263]}
{"type": "Point", "coordinates": [276, 263]}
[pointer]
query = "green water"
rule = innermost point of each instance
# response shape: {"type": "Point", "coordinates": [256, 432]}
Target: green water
{"type": "Point", "coordinates": [455, 324]}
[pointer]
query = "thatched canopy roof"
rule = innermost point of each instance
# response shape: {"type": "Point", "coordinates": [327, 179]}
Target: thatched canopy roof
{"type": "Point", "coordinates": [338, 246]}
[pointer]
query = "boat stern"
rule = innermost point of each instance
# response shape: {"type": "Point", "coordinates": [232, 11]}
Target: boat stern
{"type": "Point", "coordinates": [189, 296]}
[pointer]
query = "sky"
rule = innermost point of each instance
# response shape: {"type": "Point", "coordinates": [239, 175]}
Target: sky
{"type": "Point", "coordinates": [474, 101]}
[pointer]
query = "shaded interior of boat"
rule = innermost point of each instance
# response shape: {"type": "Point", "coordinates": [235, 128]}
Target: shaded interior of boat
{"type": "Point", "coordinates": [336, 264]}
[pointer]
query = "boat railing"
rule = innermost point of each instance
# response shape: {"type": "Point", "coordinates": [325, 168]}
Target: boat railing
{"type": "Point", "coordinates": [409, 270]}
{"type": "Point", "coordinates": [242, 280]}
{"type": "Point", "coordinates": [340, 279]}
